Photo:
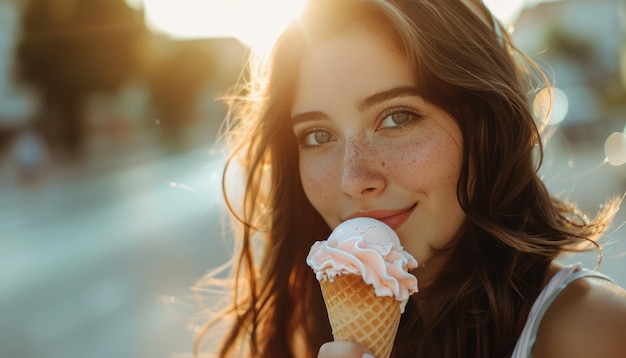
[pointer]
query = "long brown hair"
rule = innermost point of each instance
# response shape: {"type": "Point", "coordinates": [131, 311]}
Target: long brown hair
{"type": "Point", "coordinates": [466, 66]}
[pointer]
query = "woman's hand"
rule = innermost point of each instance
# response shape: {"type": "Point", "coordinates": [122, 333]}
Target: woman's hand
{"type": "Point", "coordinates": [344, 349]}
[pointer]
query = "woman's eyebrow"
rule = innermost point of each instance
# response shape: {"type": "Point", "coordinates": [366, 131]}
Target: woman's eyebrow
{"type": "Point", "coordinates": [362, 105]}
{"type": "Point", "coordinates": [307, 116]}
{"type": "Point", "coordinates": [385, 95]}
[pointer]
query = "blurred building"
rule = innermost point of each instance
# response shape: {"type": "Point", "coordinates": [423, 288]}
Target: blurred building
{"type": "Point", "coordinates": [581, 45]}
{"type": "Point", "coordinates": [91, 83]}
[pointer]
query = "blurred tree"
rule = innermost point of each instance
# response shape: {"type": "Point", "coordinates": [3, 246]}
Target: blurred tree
{"type": "Point", "coordinates": [178, 83]}
{"type": "Point", "coordinates": [69, 49]}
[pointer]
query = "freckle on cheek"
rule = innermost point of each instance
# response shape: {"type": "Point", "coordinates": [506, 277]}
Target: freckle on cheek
{"type": "Point", "coordinates": [382, 164]}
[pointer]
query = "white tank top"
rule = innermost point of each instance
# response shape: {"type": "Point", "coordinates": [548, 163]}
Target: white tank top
{"type": "Point", "coordinates": [565, 276]}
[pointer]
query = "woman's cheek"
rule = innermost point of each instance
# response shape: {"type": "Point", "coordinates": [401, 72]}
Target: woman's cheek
{"type": "Point", "coordinates": [409, 159]}
{"type": "Point", "coordinates": [317, 181]}
{"type": "Point", "coordinates": [434, 161]}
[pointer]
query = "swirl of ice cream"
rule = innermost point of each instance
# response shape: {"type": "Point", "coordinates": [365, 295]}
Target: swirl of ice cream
{"type": "Point", "coordinates": [370, 248]}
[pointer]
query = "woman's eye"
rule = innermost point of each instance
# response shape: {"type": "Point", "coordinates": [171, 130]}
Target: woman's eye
{"type": "Point", "coordinates": [399, 118]}
{"type": "Point", "coordinates": [315, 138]}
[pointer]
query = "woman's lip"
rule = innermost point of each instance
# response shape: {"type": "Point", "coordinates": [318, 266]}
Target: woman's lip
{"type": "Point", "coordinates": [393, 218]}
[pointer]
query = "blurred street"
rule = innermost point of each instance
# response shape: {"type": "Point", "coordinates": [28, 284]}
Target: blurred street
{"type": "Point", "coordinates": [101, 267]}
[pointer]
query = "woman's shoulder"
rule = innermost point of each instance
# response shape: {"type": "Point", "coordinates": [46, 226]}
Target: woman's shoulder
{"type": "Point", "coordinates": [587, 319]}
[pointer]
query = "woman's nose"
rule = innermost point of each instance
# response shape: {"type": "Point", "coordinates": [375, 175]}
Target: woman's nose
{"type": "Point", "coordinates": [361, 174]}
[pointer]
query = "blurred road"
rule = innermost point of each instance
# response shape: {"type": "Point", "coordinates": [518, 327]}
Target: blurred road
{"type": "Point", "coordinates": [101, 266]}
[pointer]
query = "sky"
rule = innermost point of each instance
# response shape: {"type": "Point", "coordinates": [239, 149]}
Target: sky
{"type": "Point", "coordinates": [256, 23]}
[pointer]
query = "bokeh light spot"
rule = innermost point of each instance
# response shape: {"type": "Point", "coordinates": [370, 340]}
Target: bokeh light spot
{"type": "Point", "coordinates": [550, 105]}
{"type": "Point", "coordinates": [615, 148]}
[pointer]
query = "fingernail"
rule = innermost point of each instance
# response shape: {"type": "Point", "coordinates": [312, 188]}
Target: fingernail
{"type": "Point", "coordinates": [367, 355]}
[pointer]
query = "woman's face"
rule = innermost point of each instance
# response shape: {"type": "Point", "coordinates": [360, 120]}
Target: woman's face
{"type": "Point", "coordinates": [369, 145]}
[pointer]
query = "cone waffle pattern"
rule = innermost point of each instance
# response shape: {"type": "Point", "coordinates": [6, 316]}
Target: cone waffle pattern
{"type": "Point", "coordinates": [356, 314]}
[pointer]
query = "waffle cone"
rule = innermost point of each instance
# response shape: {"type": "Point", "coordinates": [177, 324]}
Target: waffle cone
{"type": "Point", "coordinates": [356, 314]}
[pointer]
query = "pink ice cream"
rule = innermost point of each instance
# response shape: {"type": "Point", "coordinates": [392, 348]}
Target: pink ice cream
{"type": "Point", "coordinates": [370, 248]}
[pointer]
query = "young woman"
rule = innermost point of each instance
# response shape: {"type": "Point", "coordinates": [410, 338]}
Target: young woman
{"type": "Point", "coordinates": [416, 113]}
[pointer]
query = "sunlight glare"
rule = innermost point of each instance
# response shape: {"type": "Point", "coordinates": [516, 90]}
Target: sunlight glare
{"type": "Point", "coordinates": [254, 23]}
{"type": "Point", "coordinates": [615, 149]}
{"type": "Point", "coordinates": [505, 10]}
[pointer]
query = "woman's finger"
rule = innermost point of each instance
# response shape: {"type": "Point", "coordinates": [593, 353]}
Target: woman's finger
{"type": "Point", "coordinates": [344, 349]}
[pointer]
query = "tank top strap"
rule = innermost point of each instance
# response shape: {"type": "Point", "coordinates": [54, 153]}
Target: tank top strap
{"type": "Point", "coordinates": [558, 282]}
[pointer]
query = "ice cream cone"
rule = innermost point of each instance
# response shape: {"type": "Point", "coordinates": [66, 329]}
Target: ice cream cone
{"type": "Point", "coordinates": [364, 275]}
{"type": "Point", "coordinates": [356, 314]}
